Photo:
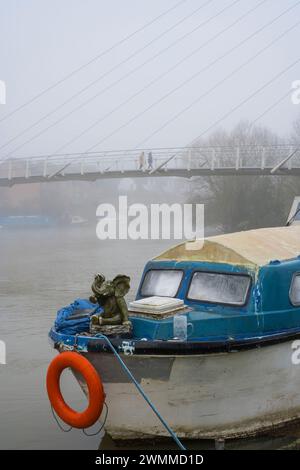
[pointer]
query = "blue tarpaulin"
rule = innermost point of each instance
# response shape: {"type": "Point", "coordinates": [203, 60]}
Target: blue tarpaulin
{"type": "Point", "coordinates": [82, 309]}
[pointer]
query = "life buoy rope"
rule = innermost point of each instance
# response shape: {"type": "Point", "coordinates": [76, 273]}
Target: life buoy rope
{"type": "Point", "coordinates": [96, 394]}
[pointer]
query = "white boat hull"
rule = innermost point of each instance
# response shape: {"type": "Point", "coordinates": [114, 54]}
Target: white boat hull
{"type": "Point", "coordinates": [209, 396]}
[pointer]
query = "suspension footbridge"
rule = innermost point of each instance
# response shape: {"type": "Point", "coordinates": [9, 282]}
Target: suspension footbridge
{"type": "Point", "coordinates": [165, 162]}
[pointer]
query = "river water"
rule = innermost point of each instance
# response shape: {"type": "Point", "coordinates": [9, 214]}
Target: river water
{"type": "Point", "coordinates": [40, 271]}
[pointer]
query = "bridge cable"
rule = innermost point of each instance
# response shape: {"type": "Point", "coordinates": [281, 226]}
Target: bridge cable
{"type": "Point", "coordinates": [116, 82]}
{"type": "Point", "coordinates": [205, 93]}
{"type": "Point", "coordinates": [94, 59]}
{"type": "Point", "coordinates": [210, 127]}
{"type": "Point", "coordinates": [171, 69]}
{"type": "Point", "coordinates": [227, 114]}
{"type": "Point", "coordinates": [272, 106]}
{"type": "Point", "coordinates": [189, 79]}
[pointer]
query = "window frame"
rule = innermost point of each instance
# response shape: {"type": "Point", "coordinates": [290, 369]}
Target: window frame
{"type": "Point", "coordinates": [164, 269]}
{"type": "Point", "coordinates": [226, 304]}
{"type": "Point", "coordinates": [295, 304]}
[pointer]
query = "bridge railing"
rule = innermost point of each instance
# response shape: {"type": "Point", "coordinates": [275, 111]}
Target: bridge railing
{"type": "Point", "coordinates": [188, 159]}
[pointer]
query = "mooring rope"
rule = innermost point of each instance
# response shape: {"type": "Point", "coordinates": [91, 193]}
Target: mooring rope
{"type": "Point", "coordinates": [58, 423]}
{"type": "Point", "coordinates": [102, 425]}
{"type": "Point", "coordinates": [83, 430]}
{"type": "Point", "coordinates": [140, 389]}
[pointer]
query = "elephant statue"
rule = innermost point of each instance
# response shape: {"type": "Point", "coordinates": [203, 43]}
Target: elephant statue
{"type": "Point", "coordinates": [110, 296]}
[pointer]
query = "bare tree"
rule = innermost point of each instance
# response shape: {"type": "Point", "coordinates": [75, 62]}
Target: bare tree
{"type": "Point", "coordinates": [243, 202]}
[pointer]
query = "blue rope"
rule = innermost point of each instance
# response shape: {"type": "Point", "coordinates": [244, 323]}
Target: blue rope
{"type": "Point", "coordinates": [170, 431]}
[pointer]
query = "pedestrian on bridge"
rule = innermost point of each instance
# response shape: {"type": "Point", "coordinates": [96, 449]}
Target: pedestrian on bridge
{"type": "Point", "coordinates": [150, 161]}
{"type": "Point", "coordinates": [142, 161]}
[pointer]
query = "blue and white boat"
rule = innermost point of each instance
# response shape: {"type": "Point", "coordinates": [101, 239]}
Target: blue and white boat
{"type": "Point", "coordinates": [26, 221]}
{"type": "Point", "coordinates": [230, 370]}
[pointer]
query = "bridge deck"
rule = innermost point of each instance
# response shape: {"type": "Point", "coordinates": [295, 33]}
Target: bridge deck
{"type": "Point", "coordinates": [185, 163]}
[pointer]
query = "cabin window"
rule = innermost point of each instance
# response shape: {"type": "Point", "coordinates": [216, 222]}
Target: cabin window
{"type": "Point", "coordinates": [295, 290]}
{"type": "Point", "coordinates": [230, 289]}
{"type": "Point", "coordinates": [164, 283]}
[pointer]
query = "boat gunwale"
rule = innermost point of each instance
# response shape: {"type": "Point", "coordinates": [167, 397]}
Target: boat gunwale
{"type": "Point", "coordinates": [164, 348]}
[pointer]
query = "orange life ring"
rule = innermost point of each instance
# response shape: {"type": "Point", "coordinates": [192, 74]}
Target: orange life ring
{"type": "Point", "coordinates": [79, 363]}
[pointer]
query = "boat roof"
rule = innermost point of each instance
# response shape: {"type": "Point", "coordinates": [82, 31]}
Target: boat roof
{"type": "Point", "coordinates": [249, 248]}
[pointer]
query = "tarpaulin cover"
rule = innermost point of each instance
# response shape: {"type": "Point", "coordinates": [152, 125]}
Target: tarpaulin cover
{"type": "Point", "coordinates": [82, 308]}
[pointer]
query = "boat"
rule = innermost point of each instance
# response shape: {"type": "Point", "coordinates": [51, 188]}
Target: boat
{"type": "Point", "coordinates": [77, 220]}
{"type": "Point", "coordinates": [26, 221]}
{"type": "Point", "coordinates": [220, 366]}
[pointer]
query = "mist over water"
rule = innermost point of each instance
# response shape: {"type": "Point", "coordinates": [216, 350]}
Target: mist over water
{"type": "Point", "coordinates": [41, 271]}
{"type": "Point", "coordinates": [118, 76]}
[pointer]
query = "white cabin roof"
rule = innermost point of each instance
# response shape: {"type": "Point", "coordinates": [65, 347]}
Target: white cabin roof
{"type": "Point", "coordinates": [253, 247]}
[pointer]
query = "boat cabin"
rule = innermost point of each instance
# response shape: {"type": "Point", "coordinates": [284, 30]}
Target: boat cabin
{"type": "Point", "coordinates": [237, 286]}
{"type": "Point", "coordinates": [235, 291]}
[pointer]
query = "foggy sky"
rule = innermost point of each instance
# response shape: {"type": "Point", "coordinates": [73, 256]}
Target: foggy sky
{"type": "Point", "coordinates": [42, 41]}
